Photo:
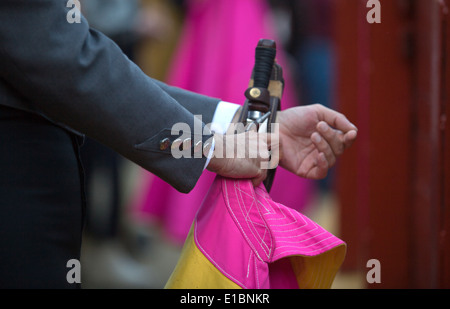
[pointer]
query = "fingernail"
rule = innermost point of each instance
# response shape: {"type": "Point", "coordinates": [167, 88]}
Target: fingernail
{"type": "Point", "coordinates": [316, 138]}
{"type": "Point", "coordinates": [323, 126]}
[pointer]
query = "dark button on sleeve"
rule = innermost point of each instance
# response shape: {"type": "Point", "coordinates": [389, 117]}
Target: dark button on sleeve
{"type": "Point", "coordinates": [164, 144]}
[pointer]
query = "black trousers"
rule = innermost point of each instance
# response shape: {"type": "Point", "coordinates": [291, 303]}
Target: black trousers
{"type": "Point", "coordinates": [41, 202]}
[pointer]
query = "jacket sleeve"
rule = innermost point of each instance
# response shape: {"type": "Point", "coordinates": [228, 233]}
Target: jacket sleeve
{"type": "Point", "coordinates": [78, 77]}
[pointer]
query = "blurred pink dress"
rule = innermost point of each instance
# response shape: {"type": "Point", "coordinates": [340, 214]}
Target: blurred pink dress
{"type": "Point", "coordinates": [215, 57]}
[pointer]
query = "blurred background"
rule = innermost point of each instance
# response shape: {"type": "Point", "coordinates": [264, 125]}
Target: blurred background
{"type": "Point", "coordinates": [388, 197]}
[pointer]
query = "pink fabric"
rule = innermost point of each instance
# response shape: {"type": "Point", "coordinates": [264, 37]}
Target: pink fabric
{"type": "Point", "coordinates": [215, 57]}
{"type": "Point", "coordinates": [243, 232]}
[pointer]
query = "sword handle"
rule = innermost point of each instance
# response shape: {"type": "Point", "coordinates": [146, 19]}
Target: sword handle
{"type": "Point", "coordinates": [265, 54]}
{"type": "Point", "coordinates": [258, 95]}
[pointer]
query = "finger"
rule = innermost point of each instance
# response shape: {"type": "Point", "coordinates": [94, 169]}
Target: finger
{"type": "Point", "coordinates": [323, 146]}
{"type": "Point", "coordinates": [335, 138]}
{"type": "Point", "coordinates": [335, 119]}
{"type": "Point", "coordinates": [319, 170]}
{"type": "Point", "coordinates": [349, 138]}
{"type": "Point", "coordinates": [259, 178]}
{"type": "Point", "coordinates": [257, 146]}
{"type": "Point", "coordinates": [322, 166]}
{"type": "Point", "coordinates": [273, 140]}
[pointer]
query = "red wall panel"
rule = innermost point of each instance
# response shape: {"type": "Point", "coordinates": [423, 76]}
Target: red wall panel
{"type": "Point", "coordinates": [393, 186]}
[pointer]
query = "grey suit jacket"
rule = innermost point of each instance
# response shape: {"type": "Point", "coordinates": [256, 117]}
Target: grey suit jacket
{"type": "Point", "coordinates": [79, 78]}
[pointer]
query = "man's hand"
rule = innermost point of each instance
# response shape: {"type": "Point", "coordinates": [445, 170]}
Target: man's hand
{"type": "Point", "coordinates": [240, 156]}
{"type": "Point", "coordinates": [311, 138]}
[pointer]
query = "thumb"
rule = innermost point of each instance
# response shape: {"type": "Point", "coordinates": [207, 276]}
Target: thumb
{"type": "Point", "coordinates": [259, 178]}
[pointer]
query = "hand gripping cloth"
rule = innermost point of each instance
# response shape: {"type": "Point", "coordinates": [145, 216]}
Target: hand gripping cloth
{"type": "Point", "coordinates": [240, 237]}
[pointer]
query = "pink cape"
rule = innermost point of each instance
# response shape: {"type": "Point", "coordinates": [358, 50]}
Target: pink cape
{"type": "Point", "coordinates": [256, 234]}
{"type": "Point", "coordinates": [215, 57]}
{"type": "Point", "coordinates": [241, 238]}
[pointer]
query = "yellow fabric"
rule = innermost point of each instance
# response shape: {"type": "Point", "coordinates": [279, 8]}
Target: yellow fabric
{"type": "Point", "coordinates": [195, 271]}
{"type": "Point", "coordinates": [318, 272]}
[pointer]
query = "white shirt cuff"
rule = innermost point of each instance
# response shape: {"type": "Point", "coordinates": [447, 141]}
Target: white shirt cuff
{"type": "Point", "coordinates": [222, 118]}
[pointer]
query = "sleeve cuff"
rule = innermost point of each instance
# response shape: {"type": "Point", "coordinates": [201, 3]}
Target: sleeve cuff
{"type": "Point", "coordinates": [222, 118]}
